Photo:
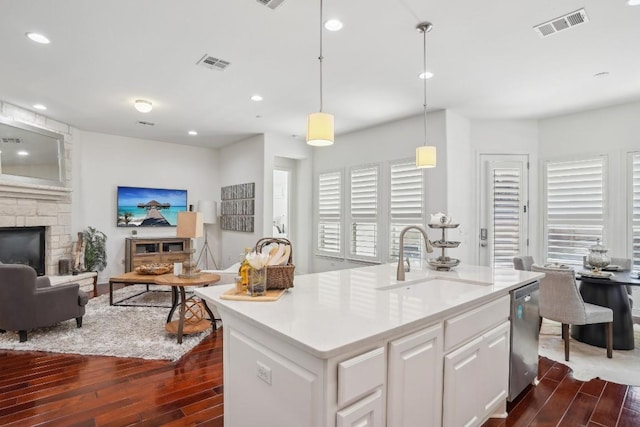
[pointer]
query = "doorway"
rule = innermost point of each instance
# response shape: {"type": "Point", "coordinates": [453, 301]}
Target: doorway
{"type": "Point", "coordinates": [281, 203]}
{"type": "Point", "coordinates": [504, 209]}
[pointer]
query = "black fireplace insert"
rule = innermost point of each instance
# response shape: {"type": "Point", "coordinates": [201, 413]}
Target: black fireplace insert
{"type": "Point", "coordinates": [23, 245]}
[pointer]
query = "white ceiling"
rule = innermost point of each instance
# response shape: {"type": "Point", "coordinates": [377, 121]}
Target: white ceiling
{"type": "Point", "coordinates": [487, 59]}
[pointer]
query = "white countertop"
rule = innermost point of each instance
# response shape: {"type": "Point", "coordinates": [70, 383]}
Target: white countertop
{"type": "Point", "coordinates": [328, 313]}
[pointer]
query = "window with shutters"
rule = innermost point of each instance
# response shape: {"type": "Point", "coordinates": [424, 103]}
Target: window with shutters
{"type": "Point", "coordinates": [364, 213]}
{"type": "Point", "coordinates": [508, 208]}
{"type": "Point", "coordinates": [329, 213]}
{"type": "Point", "coordinates": [575, 207]}
{"type": "Point", "coordinates": [406, 207]}
{"type": "Point", "coordinates": [635, 209]}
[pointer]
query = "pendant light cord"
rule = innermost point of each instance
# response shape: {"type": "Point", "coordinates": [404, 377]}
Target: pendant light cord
{"type": "Point", "coordinates": [320, 58]}
{"type": "Point", "coordinates": [424, 80]}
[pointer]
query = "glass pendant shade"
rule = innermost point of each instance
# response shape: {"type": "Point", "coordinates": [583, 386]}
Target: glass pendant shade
{"type": "Point", "coordinates": [426, 156]}
{"type": "Point", "coordinates": [320, 129]}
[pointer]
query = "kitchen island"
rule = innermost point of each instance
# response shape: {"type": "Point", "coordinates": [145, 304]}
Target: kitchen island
{"type": "Point", "coordinates": [357, 347]}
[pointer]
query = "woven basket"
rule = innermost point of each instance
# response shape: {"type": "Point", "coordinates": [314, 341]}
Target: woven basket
{"type": "Point", "coordinates": [278, 276]}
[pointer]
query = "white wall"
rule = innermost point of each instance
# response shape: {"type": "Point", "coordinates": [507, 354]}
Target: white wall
{"type": "Point", "coordinates": [612, 131]}
{"type": "Point", "coordinates": [102, 162]}
{"type": "Point", "coordinates": [284, 147]}
{"type": "Point", "coordinates": [391, 141]}
{"type": "Point", "coordinates": [241, 163]}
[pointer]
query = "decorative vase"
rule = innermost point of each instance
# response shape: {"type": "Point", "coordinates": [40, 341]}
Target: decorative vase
{"type": "Point", "coordinates": [598, 257]}
{"type": "Point", "coordinates": [257, 282]}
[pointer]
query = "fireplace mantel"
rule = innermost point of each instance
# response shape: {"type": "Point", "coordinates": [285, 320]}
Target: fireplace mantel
{"type": "Point", "coordinates": [33, 191]}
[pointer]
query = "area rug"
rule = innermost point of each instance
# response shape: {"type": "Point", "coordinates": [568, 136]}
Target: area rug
{"type": "Point", "coordinates": [112, 331]}
{"type": "Point", "coordinates": [587, 361]}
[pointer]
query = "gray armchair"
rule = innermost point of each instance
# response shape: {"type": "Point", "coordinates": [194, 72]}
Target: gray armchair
{"type": "Point", "coordinates": [523, 262]}
{"type": "Point", "coordinates": [561, 301]}
{"type": "Point", "coordinates": [28, 301]}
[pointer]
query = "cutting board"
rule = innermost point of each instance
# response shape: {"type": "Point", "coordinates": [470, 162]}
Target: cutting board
{"type": "Point", "coordinates": [272, 295]}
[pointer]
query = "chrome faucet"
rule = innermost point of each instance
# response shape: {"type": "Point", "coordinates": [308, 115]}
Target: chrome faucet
{"type": "Point", "coordinates": [427, 244]}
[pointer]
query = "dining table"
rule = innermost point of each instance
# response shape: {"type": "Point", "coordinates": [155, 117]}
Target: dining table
{"type": "Point", "coordinates": [608, 291]}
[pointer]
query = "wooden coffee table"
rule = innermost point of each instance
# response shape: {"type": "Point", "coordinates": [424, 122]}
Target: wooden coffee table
{"type": "Point", "coordinates": [178, 284]}
{"type": "Point", "coordinates": [131, 278]}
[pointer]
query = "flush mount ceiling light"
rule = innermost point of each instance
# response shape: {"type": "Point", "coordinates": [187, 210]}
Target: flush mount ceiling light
{"type": "Point", "coordinates": [143, 105]}
{"type": "Point", "coordinates": [426, 154]}
{"type": "Point", "coordinates": [39, 107]}
{"type": "Point", "coordinates": [333, 24]}
{"type": "Point", "coordinates": [38, 38]}
{"type": "Point", "coordinates": [320, 124]}
{"type": "Point", "coordinates": [256, 98]}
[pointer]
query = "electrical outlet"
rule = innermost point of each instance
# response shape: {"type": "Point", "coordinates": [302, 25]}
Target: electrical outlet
{"type": "Point", "coordinates": [264, 373]}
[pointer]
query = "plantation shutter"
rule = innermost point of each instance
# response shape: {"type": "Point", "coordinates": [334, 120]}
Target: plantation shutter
{"type": "Point", "coordinates": [406, 208]}
{"type": "Point", "coordinates": [575, 208]}
{"type": "Point", "coordinates": [364, 213]}
{"type": "Point", "coordinates": [329, 212]}
{"type": "Point", "coordinates": [507, 211]}
{"type": "Point", "coordinates": [635, 210]}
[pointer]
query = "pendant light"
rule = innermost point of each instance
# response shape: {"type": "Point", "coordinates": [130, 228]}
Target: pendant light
{"type": "Point", "coordinates": [320, 124]}
{"type": "Point", "coordinates": [426, 154]}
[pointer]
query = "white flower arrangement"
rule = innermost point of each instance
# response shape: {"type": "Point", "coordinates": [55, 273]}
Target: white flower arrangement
{"type": "Point", "coordinates": [258, 260]}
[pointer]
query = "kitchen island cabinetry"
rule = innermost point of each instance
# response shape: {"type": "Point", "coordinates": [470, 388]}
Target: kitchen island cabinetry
{"type": "Point", "coordinates": [356, 348]}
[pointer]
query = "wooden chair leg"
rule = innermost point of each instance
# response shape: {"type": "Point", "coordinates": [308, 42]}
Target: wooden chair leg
{"type": "Point", "coordinates": [565, 337]}
{"type": "Point", "coordinates": [610, 340]}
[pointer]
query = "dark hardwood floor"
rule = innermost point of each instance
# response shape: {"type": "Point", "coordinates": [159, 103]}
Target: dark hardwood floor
{"type": "Point", "coordinates": [48, 389]}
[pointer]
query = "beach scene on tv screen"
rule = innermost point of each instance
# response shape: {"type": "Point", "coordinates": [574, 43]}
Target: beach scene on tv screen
{"type": "Point", "coordinates": [150, 207]}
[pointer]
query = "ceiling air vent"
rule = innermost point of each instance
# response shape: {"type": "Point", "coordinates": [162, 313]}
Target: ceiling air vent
{"type": "Point", "coordinates": [562, 23]}
{"type": "Point", "coordinates": [213, 63]}
{"type": "Point", "coordinates": [271, 3]}
{"type": "Point", "coordinates": [11, 140]}
{"type": "Point", "coordinates": [143, 123]}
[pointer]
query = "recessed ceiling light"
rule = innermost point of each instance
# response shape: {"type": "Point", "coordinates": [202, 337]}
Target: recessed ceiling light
{"type": "Point", "coordinates": [143, 105]}
{"type": "Point", "coordinates": [193, 132]}
{"type": "Point", "coordinates": [22, 153]}
{"type": "Point", "coordinates": [602, 75]}
{"type": "Point", "coordinates": [38, 38]}
{"type": "Point", "coordinates": [426, 75]}
{"type": "Point", "coordinates": [256, 98]}
{"type": "Point", "coordinates": [333, 24]}
{"type": "Point", "coordinates": [39, 107]}
{"type": "Point", "coordinates": [633, 2]}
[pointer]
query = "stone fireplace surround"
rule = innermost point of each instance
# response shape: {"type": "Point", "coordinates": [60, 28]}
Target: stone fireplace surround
{"type": "Point", "coordinates": [29, 205]}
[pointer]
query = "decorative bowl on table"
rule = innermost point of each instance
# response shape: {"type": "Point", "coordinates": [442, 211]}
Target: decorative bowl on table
{"type": "Point", "coordinates": [156, 269]}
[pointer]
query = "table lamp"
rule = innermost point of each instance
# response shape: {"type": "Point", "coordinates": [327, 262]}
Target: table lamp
{"type": "Point", "coordinates": [190, 225]}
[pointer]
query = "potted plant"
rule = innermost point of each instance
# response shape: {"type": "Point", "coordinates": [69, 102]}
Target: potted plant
{"type": "Point", "coordinates": [95, 252]}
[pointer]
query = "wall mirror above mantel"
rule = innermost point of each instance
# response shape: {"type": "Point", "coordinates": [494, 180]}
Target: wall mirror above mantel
{"type": "Point", "coordinates": [31, 155]}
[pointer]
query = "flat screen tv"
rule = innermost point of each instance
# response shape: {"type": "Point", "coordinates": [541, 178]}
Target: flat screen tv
{"type": "Point", "coordinates": [150, 207]}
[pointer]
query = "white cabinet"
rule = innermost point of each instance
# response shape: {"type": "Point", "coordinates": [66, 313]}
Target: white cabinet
{"type": "Point", "coordinates": [414, 388]}
{"type": "Point", "coordinates": [366, 412]}
{"type": "Point", "coordinates": [476, 378]}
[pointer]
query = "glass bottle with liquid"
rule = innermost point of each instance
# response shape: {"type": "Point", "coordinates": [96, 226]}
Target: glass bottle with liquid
{"type": "Point", "coordinates": [243, 272]}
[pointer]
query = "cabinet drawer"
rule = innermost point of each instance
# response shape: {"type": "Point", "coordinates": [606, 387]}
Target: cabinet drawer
{"type": "Point", "coordinates": [173, 257]}
{"type": "Point", "coordinates": [144, 259]}
{"type": "Point", "coordinates": [364, 413]}
{"type": "Point", "coordinates": [460, 329]}
{"type": "Point", "coordinates": [360, 375]}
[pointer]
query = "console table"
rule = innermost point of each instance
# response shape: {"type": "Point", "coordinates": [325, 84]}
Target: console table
{"type": "Point", "coordinates": [86, 280]}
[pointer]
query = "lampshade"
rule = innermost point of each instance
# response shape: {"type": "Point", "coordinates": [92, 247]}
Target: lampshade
{"type": "Point", "coordinates": [143, 105]}
{"type": "Point", "coordinates": [320, 129]}
{"type": "Point", "coordinates": [190, 224]}
{"type": "Point", "coordinates": [208, 210]}
{"type": "Point", "coordinates": [426, 156]}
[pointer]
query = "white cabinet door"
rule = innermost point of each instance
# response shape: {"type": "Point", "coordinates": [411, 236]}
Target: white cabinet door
{"type": "Point", "coordinates": [414, 382]}
{"type": "Point", "coordinates": [495, 361]}
{"type": "Point", "coordinates": [366, 412]}
{"type": "Point", "coordinates": [462, 382]}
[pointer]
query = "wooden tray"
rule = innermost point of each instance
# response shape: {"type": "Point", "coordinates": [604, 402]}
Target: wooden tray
{"type": "Point", "coordinates": [272, 295]}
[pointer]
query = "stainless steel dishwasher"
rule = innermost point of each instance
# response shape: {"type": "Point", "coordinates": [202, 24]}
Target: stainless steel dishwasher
{"type": "Point", "coordinates": [525, 315]}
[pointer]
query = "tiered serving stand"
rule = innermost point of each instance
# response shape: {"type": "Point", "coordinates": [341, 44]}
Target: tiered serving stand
{"type": "Point", "coordinates": [443, 262]}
